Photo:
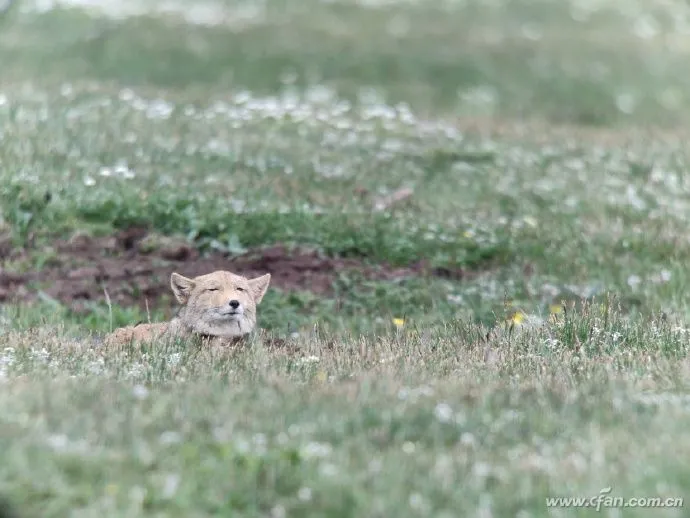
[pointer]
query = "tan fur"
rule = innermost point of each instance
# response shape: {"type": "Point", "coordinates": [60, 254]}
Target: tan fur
{"type": "Point", "coordinates": [206, 310]}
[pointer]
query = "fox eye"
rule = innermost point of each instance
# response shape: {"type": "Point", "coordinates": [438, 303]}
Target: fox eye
{"type": "Point", "coordinates": [212, 289]}
{"type": "Point", "coordinates": [240, 289]}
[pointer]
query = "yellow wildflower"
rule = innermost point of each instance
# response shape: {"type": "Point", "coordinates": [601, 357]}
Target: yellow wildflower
{"type": "Point", "coordinates": [555, 309]}
{"type": "Point", "coordinates": [399, 322]}
{"type": "Point", "coordinates": [517, 318]}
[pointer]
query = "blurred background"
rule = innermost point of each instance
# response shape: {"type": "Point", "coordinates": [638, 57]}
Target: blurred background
{"type": "Point", "coordinates": [580, 61]}
{"type": "Point", "coordinates": [463, 157]}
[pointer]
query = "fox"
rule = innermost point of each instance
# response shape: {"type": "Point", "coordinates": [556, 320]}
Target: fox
{"type": "Point", "coordinates": [218, 307]}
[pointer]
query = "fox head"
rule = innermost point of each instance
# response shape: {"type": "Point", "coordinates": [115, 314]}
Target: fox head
{"type": "Point", "coordinates": [219, 303]}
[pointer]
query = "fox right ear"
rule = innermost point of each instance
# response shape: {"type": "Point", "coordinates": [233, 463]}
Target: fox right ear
{"type": "Point", "coordinates": [259, 286]}
{"type": "Point", "coordinates": [181, 286]}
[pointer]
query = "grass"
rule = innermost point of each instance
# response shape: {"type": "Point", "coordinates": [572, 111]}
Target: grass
{"type": "Point", "coordinates": [544, 147]}
{"type": "Point", "coordinates": [404, 423]}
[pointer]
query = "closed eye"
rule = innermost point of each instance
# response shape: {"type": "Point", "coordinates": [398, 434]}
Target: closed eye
{"type": "Point", "coordinates": [240, 289]}
{"type": "Point", "coordinates": [212, 289]}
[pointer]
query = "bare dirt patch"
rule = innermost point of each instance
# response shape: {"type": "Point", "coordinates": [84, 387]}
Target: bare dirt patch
{"type": "Point", "coordinates": [134, 268]}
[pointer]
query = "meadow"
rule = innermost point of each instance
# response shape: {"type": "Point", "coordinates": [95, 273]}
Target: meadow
{"type": "Point", "coordinates": [476, 218]}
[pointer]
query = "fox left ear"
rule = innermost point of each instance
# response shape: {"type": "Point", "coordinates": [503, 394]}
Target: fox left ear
{"type": "Point", "coordinates": [258, 287]}
{"type": "Point", "coordinates": [181, 286]}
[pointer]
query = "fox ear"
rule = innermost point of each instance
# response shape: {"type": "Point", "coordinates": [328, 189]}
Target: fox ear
{"type": "Point", "coordinates": [181, 286]}
{"type": "Point", "coordinates": [259, 286]}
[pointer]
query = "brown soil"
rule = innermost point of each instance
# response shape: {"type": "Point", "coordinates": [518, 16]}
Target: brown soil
{"type": "Point", "coordinates": [133, 272]}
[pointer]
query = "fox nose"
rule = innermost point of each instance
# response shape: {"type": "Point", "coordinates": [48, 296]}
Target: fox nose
{"type": "Point", "coordinates": [234, 304]}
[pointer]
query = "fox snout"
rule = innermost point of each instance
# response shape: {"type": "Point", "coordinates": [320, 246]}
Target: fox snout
{"type": "Point", "coordinates": [235, 307]}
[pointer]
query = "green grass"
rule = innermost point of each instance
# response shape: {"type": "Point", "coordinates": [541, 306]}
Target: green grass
{"type": "Point", "coordinates": [408, 423]}
{"type": "Point", "coordinates": [516, 58]}
{"type": "Point", "coordinates": [290, 126]}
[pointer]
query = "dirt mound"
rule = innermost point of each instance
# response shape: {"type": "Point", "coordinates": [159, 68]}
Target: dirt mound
{"type": "Point", "coordinates": [134, 268]}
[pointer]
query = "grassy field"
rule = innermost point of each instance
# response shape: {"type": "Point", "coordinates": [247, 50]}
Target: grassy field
{"type": "Point", "coordinates": [513, 330]}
